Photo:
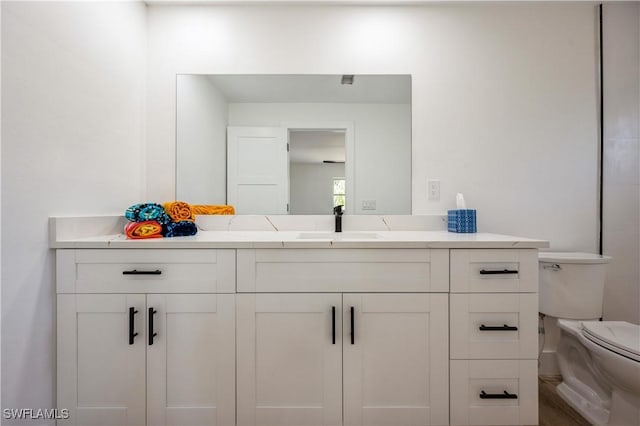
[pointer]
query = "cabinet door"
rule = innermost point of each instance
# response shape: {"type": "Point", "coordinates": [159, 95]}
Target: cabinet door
{"type": "Point", "coordinates": [191, 362]}
{"type": "Point", "coordinates": [396, 359]}
{"type": "Point", "coordinates": [101, 374]}
{"type": "Point", "coordinates": [289, 367]}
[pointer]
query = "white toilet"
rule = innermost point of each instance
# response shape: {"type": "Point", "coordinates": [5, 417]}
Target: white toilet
{"type": "Point", "coordinates": [599, 360]}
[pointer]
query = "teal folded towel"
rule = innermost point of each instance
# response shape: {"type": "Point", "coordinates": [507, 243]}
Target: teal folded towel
{"type": "Point", "coordinates": [183, 228]}
{"type": "Point", "coordinates": [147, 211]}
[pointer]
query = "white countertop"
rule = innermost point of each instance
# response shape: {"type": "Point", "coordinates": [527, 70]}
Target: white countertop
{"type": "Point", "coordinates": [291, 239]}
{"type": "Point", "coordinates": [283, 232]}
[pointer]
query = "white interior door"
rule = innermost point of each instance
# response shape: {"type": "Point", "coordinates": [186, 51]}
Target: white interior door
{"type": "Point", "coordinates": [396, 360]}
{"type": "Point", "coordinates": [191, 363]}
{"type": "Point", "coordinates": [258, 170]}
{"type": "Point", "coordinates": [289, 368]}
{"type": "Point", "coordinates": [101, 372]}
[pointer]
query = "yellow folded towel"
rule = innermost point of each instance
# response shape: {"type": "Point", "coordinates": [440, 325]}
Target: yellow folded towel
{"type": "Point", "coordinates": [212, 209]}
{"type": "Point", "coordinates": [179, 211]}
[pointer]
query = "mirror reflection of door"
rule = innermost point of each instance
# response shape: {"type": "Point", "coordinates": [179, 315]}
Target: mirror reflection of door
{"type": "Point", "coordinates": [316, 170]}
{"type": "Point", "coordinates": [257, 181]}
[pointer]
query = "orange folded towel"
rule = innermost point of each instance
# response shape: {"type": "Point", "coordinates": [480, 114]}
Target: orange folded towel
{"type": "Point", "coordinates": [179, 211]}
{"type": "Point", "coordinates": [142, 230]}
{"type": "Point", "coordinates": [212, 209]}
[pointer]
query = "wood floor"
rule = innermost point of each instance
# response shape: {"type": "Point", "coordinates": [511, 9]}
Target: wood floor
{"type": "Point", "coordinates": [553, 411]}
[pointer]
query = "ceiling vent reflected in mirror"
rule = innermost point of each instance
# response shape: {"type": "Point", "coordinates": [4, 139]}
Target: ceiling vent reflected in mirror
{"type": "Point", "coordinates": [347, 79]}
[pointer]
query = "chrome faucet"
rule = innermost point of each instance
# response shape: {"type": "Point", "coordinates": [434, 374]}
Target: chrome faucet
{"type": "Point", "coordinates": [337, 213]}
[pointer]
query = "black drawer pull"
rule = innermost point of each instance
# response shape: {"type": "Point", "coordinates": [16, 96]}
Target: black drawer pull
{"type": "Point", "coordinates": [152, 312]}
{"type": "Point", "coordinates": [505, 395]}
{"type": "Point", "coordinates": [333, 325]}
{"type": "Point", "coordinates": [504, 327]}
{"type": "Point", "coordinates": [353, 326]}
{"type": "Point", "coordinates": [132, 332]}
{"type": "Point", "coordinates": [498, 272]}
{"type": "Point", "coordinates": [136, 272]}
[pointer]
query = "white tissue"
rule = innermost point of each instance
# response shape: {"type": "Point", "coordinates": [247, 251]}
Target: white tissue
{"type": "Point", "coordinates": [460, 204]}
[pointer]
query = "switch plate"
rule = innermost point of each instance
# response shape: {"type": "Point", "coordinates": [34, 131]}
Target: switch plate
{"type": "Point", "coordinates": [368, 204]}
{"type": "Point", "coordinates": [433, 189]}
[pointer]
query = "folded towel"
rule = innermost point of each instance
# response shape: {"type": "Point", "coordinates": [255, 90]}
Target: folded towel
{"type": "Point", "coordinates": [212, 209]}
{"type": "Point", "coordinates": [184, 228]}
{"type": "Point", "coordinates": [178, 211]}
{"type": "Point", "coordinates": [142, 230]}
{"type": "Point", "coordinates": [147, 211]}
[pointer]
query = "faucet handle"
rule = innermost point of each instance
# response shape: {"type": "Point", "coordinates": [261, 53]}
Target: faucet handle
{"type": "Point", "coordinates": [338, 210]}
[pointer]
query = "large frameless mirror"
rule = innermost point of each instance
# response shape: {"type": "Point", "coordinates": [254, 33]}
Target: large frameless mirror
{"type": "Point", "coordinates": [295, 144]}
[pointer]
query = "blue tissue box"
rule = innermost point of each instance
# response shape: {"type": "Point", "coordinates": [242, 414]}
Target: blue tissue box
{"type": "Point", "coordinates": [461, 220]}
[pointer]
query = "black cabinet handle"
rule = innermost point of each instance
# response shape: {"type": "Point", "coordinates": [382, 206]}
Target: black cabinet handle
{"type": "Point", "coordinates": [136, 272]}
{"type": "Point", "coordinates": [132, 333]}
{"type": "Point", "coordinates": [498, 272]}
{"type": "Point", "coordinates": [333, 325]}
{"type": "Point", "coordinates": [152, 312]}
{"type": "Point", "coordinates": [504, 327]}
{"type": "Point", "coordinates": [504, 395]}
{"type": "Point", "coordinates": [353, 326]}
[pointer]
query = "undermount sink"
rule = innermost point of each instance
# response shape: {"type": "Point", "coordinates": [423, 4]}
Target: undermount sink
{"type": "Point", "coordinates": [337, 236]}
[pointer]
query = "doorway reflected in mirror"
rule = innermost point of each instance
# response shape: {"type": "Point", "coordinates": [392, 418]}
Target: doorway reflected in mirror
{"type": "Point", "coordinates": [316, 170]}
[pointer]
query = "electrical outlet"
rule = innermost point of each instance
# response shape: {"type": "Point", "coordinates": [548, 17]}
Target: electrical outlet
{"type": "Point", "coordinates": [368, 204]}
{"type": "Point", "coordinates": [433, 189]}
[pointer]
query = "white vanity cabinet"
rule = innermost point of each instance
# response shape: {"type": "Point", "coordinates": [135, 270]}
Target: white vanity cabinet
{"type": "Point", "coordinates": [162, 356]}
{"type": "Point", "coordinates": [493, 336]}
{"type": "Point", "coordinates": [338, 358]}
{"type": "Point", "coordinates": [221, 330]}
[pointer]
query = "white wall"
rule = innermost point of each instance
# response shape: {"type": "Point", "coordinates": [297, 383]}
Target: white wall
{"type": "Point", "coordinates": [311, 187]}
{"type": "Point", "coordinates": [504, 95]}
{"type": "Point", "coordinates": [201, 132]}
{"type": "Point", "coordinates": [72, 130]}
{"type": "Point", "coordinates": [622, 160]}
{"type": "Point", "coordinates": [382, 139]}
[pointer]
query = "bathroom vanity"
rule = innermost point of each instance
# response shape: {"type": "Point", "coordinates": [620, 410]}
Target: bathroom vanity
{"type": "Point", "coordinates": [296, 328]}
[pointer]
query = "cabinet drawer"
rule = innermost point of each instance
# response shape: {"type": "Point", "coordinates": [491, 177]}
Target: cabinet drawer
{"type": "Point", "coordinates": [494, 326]}
{"type": "Point", "coordinates": [145, 271]}
{"type": "Point", "coordinates": [343, 270]}
{"type": "Point", "coordinates": [478, 392]}
{"type": "Point", "coordinates": [494, 270]}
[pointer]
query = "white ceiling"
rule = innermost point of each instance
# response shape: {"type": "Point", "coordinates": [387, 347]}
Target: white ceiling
{"type": "Point", "coordinates": [316, 146]}
{"type": "Point", "coordinates": [311, 88]}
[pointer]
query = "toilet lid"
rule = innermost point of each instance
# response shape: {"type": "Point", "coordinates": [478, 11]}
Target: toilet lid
{"type": "Point", "coordinates": [618, 336]}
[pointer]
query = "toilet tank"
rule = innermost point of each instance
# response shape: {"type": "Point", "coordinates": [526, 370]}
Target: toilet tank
{"type": "Point", "coordinates": [572, 284]}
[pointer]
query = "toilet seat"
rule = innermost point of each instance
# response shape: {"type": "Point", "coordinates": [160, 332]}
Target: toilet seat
{"type": "Point", "coordinates": [620, 337]}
